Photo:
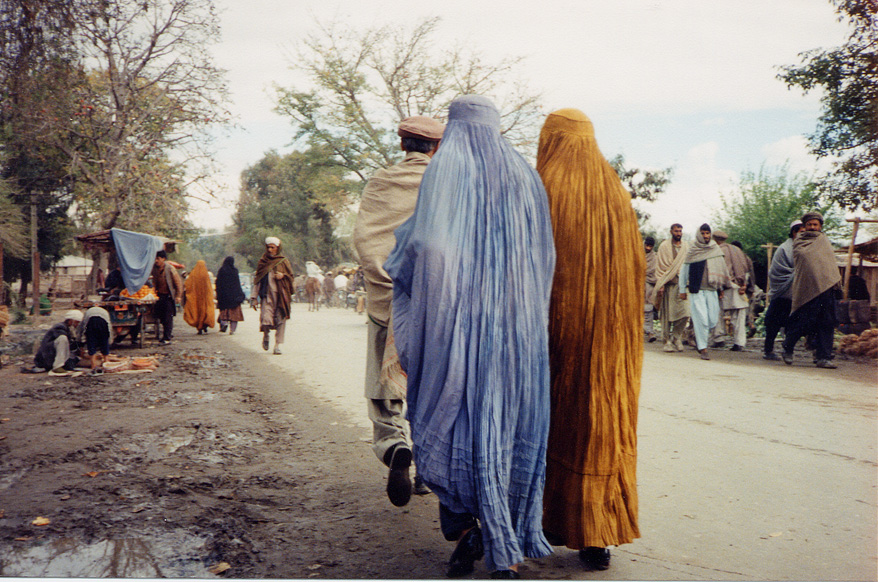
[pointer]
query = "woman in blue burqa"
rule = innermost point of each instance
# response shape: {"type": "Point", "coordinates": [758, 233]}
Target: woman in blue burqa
{"type": "Point", "coordinates": [472, 276]}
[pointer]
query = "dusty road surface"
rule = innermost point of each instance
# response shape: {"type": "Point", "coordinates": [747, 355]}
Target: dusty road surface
{"type": "Point", "coordinates": [229, 456]}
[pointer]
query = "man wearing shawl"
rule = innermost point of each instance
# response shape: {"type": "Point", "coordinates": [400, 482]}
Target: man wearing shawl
{"type": "Point", "coordinates": [735, 303]}
{"type": "Point", "coordinates": [780, 291]}
{"type": "Point", "coordinates": [648, 309]}
{"type": "Point", "coordinates": [673, 311]}
{"type": "Point", "coordinates": [229, 295]}
{"type": "Point", "coordinates": [703, 278]}
{"type": "Point", "coordinates": [815, 277]}
{"type": "Point", "coordinates": [387, 201]}
{"type": "Point", "coordinates": [595, 344]}
{"type": "Point", "coordinates": [57, 351]}
{"type": "Point", "coordinates": [272, 290]}
{"type": "Point", "coordinates": [169, 290]}
{"type": "Point", "coordinates": [472, 276]}
{"type": "Point", "coordinates": [199, 308]}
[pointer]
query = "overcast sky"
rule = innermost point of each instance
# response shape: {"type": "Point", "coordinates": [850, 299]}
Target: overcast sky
{"type": "Point", "coordinates": [684, 83]}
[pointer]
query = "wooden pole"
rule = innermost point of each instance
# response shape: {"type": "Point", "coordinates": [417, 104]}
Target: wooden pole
{"type": "Point", "coordinates": [35, 257]}
{"type": "Point", "coordinates": [2, 282]}
{"type": "Point", "coordinates": [850, 259]}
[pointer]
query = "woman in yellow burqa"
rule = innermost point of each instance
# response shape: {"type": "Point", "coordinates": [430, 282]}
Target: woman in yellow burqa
{"type": "Point", "coordinates": [595, 344]}
{"type": "Point", "coordinates": [199, 309]}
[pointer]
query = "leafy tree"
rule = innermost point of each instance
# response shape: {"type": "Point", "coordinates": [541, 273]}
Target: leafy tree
{"type": "Point", "coordinates": [13, 231]}
{"type": "Point", "coordinates": [644, 185]}
{"type": "Point", "coordinates": [296, 197]}
{"type": "Point", "coordinates": [37, 67]}
{"type": "Point", "coordinates": [365, 81]}
{"type": "Point", "coordinates": [763, 207]}
{"type": "Point", "coordinates": [125, 97]}
{"type": "Point", "coordinates": [847, 130]}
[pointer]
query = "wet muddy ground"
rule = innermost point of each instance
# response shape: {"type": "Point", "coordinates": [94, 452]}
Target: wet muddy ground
{"type": "Point", "coordinates": [211, 461]}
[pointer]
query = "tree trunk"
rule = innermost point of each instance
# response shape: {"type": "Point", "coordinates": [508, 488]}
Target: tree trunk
{"type": "Point", "coordinates": [35, 256]}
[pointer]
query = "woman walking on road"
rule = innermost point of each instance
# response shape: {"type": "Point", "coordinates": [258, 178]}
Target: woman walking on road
{"type": "Point", "coordinates": [198, 309]}
{"type": "Point", "coordinates": [472, 275]}
{"type": "Point", "coordinates": [595, 344]}
{"type": "Point", "coordinates": [229, 296]}
{"type": "Point", "coordinates": [272, 290]}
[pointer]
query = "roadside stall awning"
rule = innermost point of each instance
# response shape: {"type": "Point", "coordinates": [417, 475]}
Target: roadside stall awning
{"type": "Point", "coordinates": [135, 252]}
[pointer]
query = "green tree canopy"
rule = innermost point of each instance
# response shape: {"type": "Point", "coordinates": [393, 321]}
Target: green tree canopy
{"type": "Point", "coordinates": [764, 205]}
{"type": "Point", "coordinates": [847, 131]}
{"type": "Point", "coordinates": [297, 197]}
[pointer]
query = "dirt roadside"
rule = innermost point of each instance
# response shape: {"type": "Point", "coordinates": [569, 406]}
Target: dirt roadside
{"type": "Point", "coordinates": [213, 458]}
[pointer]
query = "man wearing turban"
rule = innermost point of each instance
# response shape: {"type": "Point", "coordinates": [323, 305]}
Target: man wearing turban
{"type": "Point", "coordinates": [595, 344]}
{"type": "Point", "coordinates": [472, 275]}
{"type": "Point", "coordinates": [272, 291]}
{"type": "Point", "coordinates": [387, 201]}
{"type": "Point", "coordinates": [815, 278]}
{"type": "Point", "coordinates": [734, 305]}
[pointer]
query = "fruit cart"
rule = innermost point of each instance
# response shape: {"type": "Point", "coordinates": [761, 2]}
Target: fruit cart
{"type": "Point", "coordinates": [132, 314]}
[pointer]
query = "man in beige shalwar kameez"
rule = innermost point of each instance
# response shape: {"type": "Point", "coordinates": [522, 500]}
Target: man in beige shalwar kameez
{"type": "Point", "coordinates": [388, 200]}
{"type": "Point", "coordinates": [673, 311]}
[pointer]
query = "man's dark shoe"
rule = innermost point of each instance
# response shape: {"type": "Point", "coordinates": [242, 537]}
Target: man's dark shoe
{"type": "Point", "coordinates": [788, 358]}
{"type": "Point", "coordinates": [265, 342]}
{"type": "Point", "coordinates": [505, 575]}
{"type": "Point", "coordinates": [469, 549]}
{"type": "Point", "coordinates": [825, 364]}
{"type": "Point", "coordinates": [399, 484]}
{"type": "Point", "coordinates": [595, 558]}
{"type": "Point", "coordinates": [771, 356]}
{"type": "Point", "coordinates": [419, 488]}
{"type": "Point", "coordinates": [736, 348]}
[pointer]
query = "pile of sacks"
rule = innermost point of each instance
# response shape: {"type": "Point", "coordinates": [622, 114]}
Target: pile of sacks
{"type": "Point", "coordinates": [865, 344]}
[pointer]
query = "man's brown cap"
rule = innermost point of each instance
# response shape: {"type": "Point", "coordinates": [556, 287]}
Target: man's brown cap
{"type": "Point", "coordinates": [421, 127]}
{"type": "Point", "coordinates": [720, 235]}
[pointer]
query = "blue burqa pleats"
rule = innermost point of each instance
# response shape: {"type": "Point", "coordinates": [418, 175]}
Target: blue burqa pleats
{"type": "Point", "coordinates": [135, 252]}
{"type": "Point", "coordinates": [472, 276]}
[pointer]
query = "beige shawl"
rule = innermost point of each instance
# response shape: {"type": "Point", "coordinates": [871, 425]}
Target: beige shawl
{"type": "Point", "coordinates": [650, 268]}
{"type": "Point", "coordinates": [388, 200]}
{"type": "Point", "coordinates": [736, 263]}
{"type": "Point", "coordinates": [815, 267]}
{"type": "Point", "coordinates": [667, 267]}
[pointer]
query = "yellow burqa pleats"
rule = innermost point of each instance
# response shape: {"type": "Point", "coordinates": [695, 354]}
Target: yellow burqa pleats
{"type": "Point", "coordinates": [200, 308]}
{"type": "Point", "coordinates": [595, 340]}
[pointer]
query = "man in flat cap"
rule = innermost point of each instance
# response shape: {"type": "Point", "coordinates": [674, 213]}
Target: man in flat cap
{"type": "Point", "coordinates": [815, 278]}
{"type": "Point", "coordinates": [735, 303]}
{"type": "Point", "coordinates": [387, 201]}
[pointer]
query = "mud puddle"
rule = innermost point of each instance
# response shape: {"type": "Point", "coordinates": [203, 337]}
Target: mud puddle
{"type": "Point", "coordinates": [170, 554]}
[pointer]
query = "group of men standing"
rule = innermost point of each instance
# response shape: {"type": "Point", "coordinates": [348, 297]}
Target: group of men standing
{"type": "Point", "coordinates": [803, 277]}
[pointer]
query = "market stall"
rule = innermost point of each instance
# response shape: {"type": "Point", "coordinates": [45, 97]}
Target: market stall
{"type": "Point", "coordinates": [134, 253]}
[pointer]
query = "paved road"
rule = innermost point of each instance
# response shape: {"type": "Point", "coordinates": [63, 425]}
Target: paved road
{"type": "Point", "coordinates": [748, 469]}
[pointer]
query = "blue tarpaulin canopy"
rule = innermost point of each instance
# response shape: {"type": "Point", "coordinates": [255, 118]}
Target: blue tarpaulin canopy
{"type": "Point", "coordinates": [136, 254]}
